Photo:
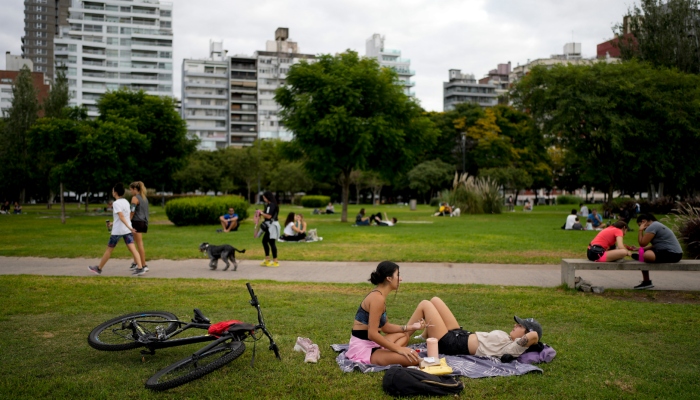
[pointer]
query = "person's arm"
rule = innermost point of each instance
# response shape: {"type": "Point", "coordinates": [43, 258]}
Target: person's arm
{"type": "Point", "coordinates": [267, 216]}
{"type": "Point", "coordinates": [376, 309]}
{"type": "Point", "coordinates": [619, 243]}
{"type": "Point", "coordinates": [528, 340]}
{"type": "Point", "coordinates": [134, 203]}
{"type": "Point", "coordinates": [303, 227]}
{"type": "Point", "coordinates": [643, 237]}
{"type": "Point", "coordinates": [125, 221]}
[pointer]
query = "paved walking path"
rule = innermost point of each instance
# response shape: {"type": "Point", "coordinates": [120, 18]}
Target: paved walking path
{"type": "Point", "coordinates": [351, 272]}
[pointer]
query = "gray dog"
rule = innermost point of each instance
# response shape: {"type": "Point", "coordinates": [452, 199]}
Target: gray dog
{"type": "Point", "coordinates": [225, 252]}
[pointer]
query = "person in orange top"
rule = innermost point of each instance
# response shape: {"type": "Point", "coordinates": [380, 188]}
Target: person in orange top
{"type": "Point", "coordinates": [600, 248]}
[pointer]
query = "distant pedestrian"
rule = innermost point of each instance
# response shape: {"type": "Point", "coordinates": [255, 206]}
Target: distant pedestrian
{"type": "Point", "coordinates": [139, 217]}
{"type": "Point", "coordinates": [509, 204]}
{"type": "Point", "coordinates": [272, 229]}
{"type": "Point", "coordinates": [121, 228]}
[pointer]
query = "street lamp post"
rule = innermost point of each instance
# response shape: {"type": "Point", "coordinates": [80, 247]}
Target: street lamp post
{"type": "Point", "coordinates": [464, 150]}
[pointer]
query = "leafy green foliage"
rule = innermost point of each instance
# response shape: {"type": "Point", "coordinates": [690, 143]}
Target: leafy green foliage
{"type": "Point", "coordinates": [347, 113]}
{"type": "Point", "coordinates": [430, 175]}
{"type": "Point", "coordinates": [204, 210]}
{"type": "Point", "coordinates": [59, 96]}
{"type": "Point", "coordinates": [315, 201]}
{"type": "Point", "coordinates": [569, 199]}
{"type": "Point", "coordinates": [685, 221]}
{"type": "Point", "coordinates": [166, 145]}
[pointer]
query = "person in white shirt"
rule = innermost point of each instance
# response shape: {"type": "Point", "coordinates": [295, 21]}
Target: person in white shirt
{"type": "Point", "coordinates": [584, 210]}
{"type": "Point", "coordinates": [570, 220]}
{"type": "Point", "coordinates": [121, 228]}
{"type": "Point", "coordinates": [453, 340]}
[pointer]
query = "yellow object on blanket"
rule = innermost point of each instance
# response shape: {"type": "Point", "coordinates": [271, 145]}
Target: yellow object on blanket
{"type": "Point", "coordinates": [439, 369]}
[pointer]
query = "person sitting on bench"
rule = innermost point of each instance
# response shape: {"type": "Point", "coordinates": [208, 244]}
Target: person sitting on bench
{"type": "Point", "coordinates": [658, 244]}
{"type": "Point", "coordinates": [601, 247]}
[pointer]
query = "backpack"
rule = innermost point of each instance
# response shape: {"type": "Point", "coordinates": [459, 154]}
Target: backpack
{"type": "Point", "coordinates": [399, 381]}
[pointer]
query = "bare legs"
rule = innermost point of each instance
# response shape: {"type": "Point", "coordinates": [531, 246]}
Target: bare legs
{"type": "Point", "coordinates": [108, 254]}
{"type": "Point", "coordinates": [613, 255]}
{"type": "Point", "coordinates": [227, 225]}
{"type": "Point", "coordinates": [138, 239]}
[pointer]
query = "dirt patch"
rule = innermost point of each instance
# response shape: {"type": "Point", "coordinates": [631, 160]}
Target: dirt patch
{"type": "Point", "coordinates": [655, 296]}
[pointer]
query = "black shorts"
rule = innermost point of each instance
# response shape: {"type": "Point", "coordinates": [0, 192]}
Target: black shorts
{"type": "Point", "coordinates": [454, 342]}
{"type": "Point", "coordinates": [140, 226]}
{"type": "Point", "coordinates": [664, 256]}
{"type": "Point", "coordinates": [595, 252]}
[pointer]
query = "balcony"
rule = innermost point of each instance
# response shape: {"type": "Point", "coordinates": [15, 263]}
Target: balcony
{"type": "Point", "coordinates": [94, 63]}
{"type": "Point", "coordinates": [248, 76]}
{"type": "Point", "coordinates": [251, 67]}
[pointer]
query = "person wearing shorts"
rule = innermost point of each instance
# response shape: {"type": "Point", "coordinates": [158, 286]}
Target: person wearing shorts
{"type": "Point", "coordinates": [657, 244]}
{"type": "Point", "coordinates": [601, 247]}
{"type": "Point", "coordinates": [453, 340]}
{"type": "Point", "coordinates": [121, 228]}
{"type": "Point", "coordinates": [139, 218]}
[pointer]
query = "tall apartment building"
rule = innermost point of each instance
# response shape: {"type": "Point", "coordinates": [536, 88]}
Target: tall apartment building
{"type": "Point", "coordinates": [463, 88]}
{"type": "Point", "coordinates": [112, 44]}
{"type": "Point", "coordinates": [374, 47]}
{"type": "Point", "coordinates": [273, 66]}
{"type": "Point", "coordinates": [244, 99]}
{"type": "Point", "coordinates": [42, 19]}
{"type": "Point", "coordinates": [499, 77]}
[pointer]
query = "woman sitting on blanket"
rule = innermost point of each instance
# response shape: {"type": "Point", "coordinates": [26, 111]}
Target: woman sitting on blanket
{"type": "Point", "coordinates": [453, 340]}
{"type": "Point", "coordinates": [367, 344]}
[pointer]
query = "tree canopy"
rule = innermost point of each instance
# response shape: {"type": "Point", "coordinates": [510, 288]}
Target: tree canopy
{"type": "Point", "coordinates": [347, 113]}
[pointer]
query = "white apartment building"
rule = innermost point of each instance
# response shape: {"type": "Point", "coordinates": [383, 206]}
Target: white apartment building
{"type": "Point", "coordinates": [374, 48]}
{"type": "Point", "coordinates": [572, 55]}
{"type": "Point", "coordinates": [463, 88]}
{"type": "Point", "coordinates": [273, 66]}
{"type": "Point", "coordinates": [112, 44]}
{"type": "Point", "coordinates": [205, 98]}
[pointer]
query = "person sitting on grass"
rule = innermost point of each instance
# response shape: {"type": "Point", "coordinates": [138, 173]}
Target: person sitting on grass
{"type": "Point", "coordinates": [18, 208]}
{"type": "Point", "coordinates": [5, 208]}
{"type": "Point", "coordinates": [584, 210]}
{"type": "Point", "coordinates": [444, 211]}
{"type": "Point", "coordinates": [577, 225]}
{"type": "Point", "coordinates": [570, 220]}
{"type": "Point", "coordinates": [595, 219]}
{"type": "Point", "coordinates": [601, 247]}
{"type": "Point", "coordinates": [229, 222]}
{"type": "Point", "coordinates": [367, 344]}
{"type": "Point", "coordinates": [658, 244]}
{"type": "Point", "coordinates": [377, 219]}
{"type": "Point", "coordinates": [527, 206]}
{"type": "Point", "coordinates": [294, 231]}
{"type": "Point", "coordinates": [360, 219]}
{"type": "Point", "coordinates": [330, 209]}
{"type": "Point", "coordinates": [453, 340]}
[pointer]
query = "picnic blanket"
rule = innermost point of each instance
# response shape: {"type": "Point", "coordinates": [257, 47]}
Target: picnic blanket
{"type": "Point", "coordinates": [469, 366]}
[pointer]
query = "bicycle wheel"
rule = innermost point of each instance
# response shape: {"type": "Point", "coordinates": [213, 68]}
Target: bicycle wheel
{"type": "Point", "coordinates": [112, 336]}
{"type": "Point", "coordinates": [187, 370]}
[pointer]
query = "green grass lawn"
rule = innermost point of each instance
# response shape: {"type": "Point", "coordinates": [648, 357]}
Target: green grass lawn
{"type": "Point", "coordinates": [609, 346]}
{"type": "Point", "coordinates": [515, 237]}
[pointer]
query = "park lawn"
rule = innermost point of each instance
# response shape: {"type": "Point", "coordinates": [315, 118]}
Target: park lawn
{"type": "Point", "coordinates": [512, 237]}
{"type": "Point", "coordinates": [623, 344]}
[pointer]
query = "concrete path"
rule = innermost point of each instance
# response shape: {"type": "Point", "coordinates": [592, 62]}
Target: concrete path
{"type": "Point", "coordinates": [351, 272]}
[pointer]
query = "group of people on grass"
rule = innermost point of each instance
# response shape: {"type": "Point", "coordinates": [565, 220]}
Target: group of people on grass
{"type": "Point", "coordinates": [363, 220]}
{"type": "Point", "coordinates": [594, 221]}
{"type": "Point", "coordinates": [373, 340]}
{"type": "Point", "coordinates": [5, 208]}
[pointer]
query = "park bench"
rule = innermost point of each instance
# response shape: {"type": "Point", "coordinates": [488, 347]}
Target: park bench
{"type": "Point", "coordinates": [570, 265]}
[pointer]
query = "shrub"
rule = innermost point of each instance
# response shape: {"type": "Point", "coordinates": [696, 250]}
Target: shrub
{"type": "Point", "coordinates": [619, 203]}
{"type": "Point", "coordinates": [491, 196]}
{"type": "Point", "coordinates": [685, 221]}
{"type": "Point", "coordinates": [662, 205]}
{"type": "Point", "coordinates": [435, 202]}
{"type": "Point", "coordinates": [204, 210]}
{"type": "Point", "coordinates": [315, 201]}
{"type": "Point", "coordinates": [157, 199]}
{"type": "Point", "coordinates": [569, 199]}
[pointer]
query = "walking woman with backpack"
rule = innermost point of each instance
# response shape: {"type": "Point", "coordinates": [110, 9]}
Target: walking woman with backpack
{"type": "Point", "coordinates": [272, 229]}
{"type": "Point", "coordinates": [139, 218]}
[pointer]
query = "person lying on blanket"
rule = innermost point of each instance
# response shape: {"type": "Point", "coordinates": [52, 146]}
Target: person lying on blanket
{"type": "Point", "coordinates": [367, 344]}
{"type": "Point", "coordinates": [452, 340]}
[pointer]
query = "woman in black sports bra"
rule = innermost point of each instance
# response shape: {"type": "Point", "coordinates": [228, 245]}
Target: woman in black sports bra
{"type": "Point", "coordinates": [367, 344]}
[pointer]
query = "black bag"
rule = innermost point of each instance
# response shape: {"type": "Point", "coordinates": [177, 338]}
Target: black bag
{"type": "Point", "coordinates": [265, 226]}
{"type": "Point", "coordinates": [399, 381]}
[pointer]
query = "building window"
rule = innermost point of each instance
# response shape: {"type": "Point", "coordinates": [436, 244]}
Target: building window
{"type": "Point", "coordinates": [112, 29]}
{"type": "Point", "coordinates": [166, 13]}
{"type": "Point", "coordinates": [40, 25]}
{"type": "Point", "coordinates": [165, 24]}
{"type": "Point", "coordinates": [205, 102]}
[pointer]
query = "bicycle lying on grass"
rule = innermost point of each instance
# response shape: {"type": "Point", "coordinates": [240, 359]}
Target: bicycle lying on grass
{"type": "Point", "coordinates": [157, 330]}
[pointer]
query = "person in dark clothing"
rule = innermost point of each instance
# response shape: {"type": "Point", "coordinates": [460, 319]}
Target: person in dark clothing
{"type": "Point", "coordinates": [272, 229]}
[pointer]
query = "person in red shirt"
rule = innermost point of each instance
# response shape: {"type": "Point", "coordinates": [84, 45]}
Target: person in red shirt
{"type": "Point", "coordinates": [608, 245]}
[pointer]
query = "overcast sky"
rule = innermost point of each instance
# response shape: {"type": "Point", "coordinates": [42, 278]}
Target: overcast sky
{"type": "Point", "coordinates": [437, 35]}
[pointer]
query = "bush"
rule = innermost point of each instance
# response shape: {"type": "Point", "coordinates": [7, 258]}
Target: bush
{"type": "Point", "coordinates": [619, 203]}
{"type": "Point", "coordinates": [685, 221]}
{"type": "Point", "coordinates": [315, 201]}
{"type": "Point", "coordinates": [157, 199]}
{"type": "Point", "coordinates": [435, 202]}
{"type": "Point", "coordinates": [569, 199]}
{"type": "Point", "coordinates": [662, 205]}
{"type": "Point", "coordinates": [491, 196]}
{"type": "Point", "coordinates": [468, 200]}
{"type": "Point", "coordinates": [204, 210]}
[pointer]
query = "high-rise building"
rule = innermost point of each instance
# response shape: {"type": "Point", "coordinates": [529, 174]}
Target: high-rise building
{"type": "Point", "coordinates": [205, 98]}
{"type": "Point", "coordinates": [463, 88]}
{"type": "Point", "coordinates": [112, 44]}
{"type": "Point", "coordinates": [273, 66]}
{"type": "Point", "coordinates": [42, 19]}
{"type": "Point", "coordinates": [390, 58]}
{"type": "Point", "coordinates": [244, 99]}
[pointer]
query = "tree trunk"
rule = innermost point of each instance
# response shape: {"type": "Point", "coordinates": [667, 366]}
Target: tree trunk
{"type": "Point", "coordinates": [357, 194]}
{"type": "Point", "coordinates": [515, 200]}
{"type": "Point", "coordinates": [610, 192]}
{"type": "Point", "coordinates": [49, 202]}
{"type": "Point", "coordinates": [377, 195]}
{"type": "Point", "coordinates": [63, 205]}
{"type": "Point", "coordinates": [345, 195]}
{"type": "Point", "coordinates": [87, 199]}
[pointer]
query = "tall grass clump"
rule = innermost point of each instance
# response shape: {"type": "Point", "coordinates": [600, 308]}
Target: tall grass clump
{"type": "Point", "coordinates": [569, 199]}
{"type": "Point", "coordinates": [685, 221]}
{"type": "Point", "coordinates": [204, 210]}
{"type": "Point", "coordinates": [474, 195]}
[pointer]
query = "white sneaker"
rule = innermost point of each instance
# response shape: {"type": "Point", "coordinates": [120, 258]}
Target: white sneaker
{"type": "Point", "coordinates": [303, 344]}
{"type": "Point", "coordinates": [313, 354]}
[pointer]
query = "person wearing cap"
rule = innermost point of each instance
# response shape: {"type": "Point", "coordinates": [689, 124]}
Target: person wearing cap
{"type": "Point", "coordinates": [453, 340]}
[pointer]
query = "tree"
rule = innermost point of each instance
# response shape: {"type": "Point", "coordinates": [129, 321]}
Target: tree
{"type": "Point", "coordinates": [59, 96]}
{"type": "Point", "coordinates": [430, 175]}
{"type": "Point", "coordinates": [347, 113]}
{"type": "Point", "coordinates": [204, 171]}
{"type": "Point", "coordinates": [451, 126]}
{"type": "Point", "coordinates": [289, 176]}
{"type": "Point", "coordinates": [23, 112]}
{"type": "Point", "coordinates": [511, 178]}
{"type": "Point", "coordinates": [619, 123]}
{"type": "Point", "coordinates": [166, 146]}
{"type": "Point", "coordinates": [664, 33]}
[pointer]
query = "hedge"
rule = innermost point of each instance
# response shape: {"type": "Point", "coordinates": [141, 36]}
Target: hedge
{"type": "Point", "coordinates": [204, 210]}
{"type": "Point", "coordinates": [315, 201]}
{"type": "Point", "coordinates": [568, 199]}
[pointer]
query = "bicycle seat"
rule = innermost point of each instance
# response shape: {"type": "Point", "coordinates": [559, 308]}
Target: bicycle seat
{"type": "Point", "coordinates": [199, 317]}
